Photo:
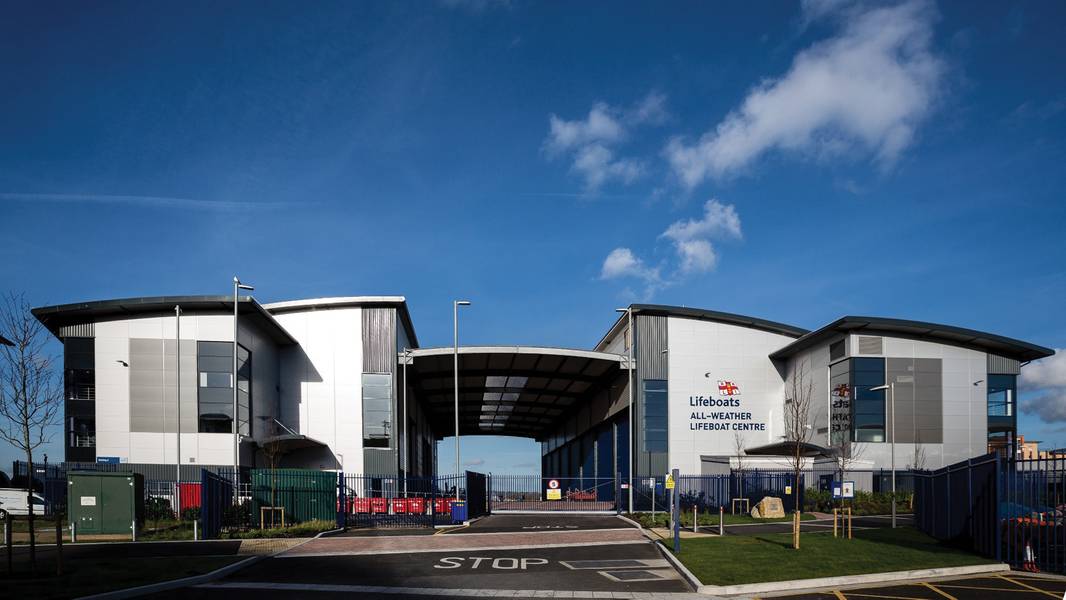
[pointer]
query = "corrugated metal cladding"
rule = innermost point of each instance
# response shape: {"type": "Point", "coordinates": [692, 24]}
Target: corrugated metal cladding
{"type": "Point", "coordinates": [379, 340]}
{"type": "Point", "coordinates": [869, 345]}
{"type": "Point", "coordinates": [651, 342]}
{"type": "Point", "coordinates": [649, 354]}
{"type": "Point", "coordinates": [379, 356]}
{"type": "Point", "coordinates": [997, 365]}
{"type": "Point", "coordinates": [84, 330]}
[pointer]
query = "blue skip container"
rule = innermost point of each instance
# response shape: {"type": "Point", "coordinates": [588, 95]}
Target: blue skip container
{"type": "Point", "coordinates": [458, 511]}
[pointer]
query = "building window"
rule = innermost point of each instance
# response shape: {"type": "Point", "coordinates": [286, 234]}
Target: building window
{"type": "Point", "coordinates": [868, 420]}
{"type": "Point", "coordinates": [79, 369]}
{"type": "Point", "coordinates": [377, 410]}
{"type": "Point", "coordinates": [653, 415]}
{"type": "Point", "coordinates": [214, 365]}
{"type": "Point", "coordinates": [1001, 394]}
{"type": "Point", "coordinates": [82, 432]}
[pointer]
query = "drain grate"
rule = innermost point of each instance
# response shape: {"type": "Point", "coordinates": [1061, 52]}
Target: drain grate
{"type": "Point", "coordinates": [633, 575]}
{"type": "Point", "coordinates": [604, 564]}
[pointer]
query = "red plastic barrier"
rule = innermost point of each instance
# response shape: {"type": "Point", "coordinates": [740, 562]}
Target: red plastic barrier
{"type": "Point", "coordinates": [379, 505]}
{"type": "Point", "coordinates": [189, 494]}
{"type": "Point", "coordinates": [416, 506]}
{"type": "Point", "coordinates": [442, 506]}
{"type": "Point", "coordinates": [399, 506]}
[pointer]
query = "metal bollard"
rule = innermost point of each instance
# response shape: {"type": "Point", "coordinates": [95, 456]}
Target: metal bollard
{"type": "Point", "coordinates": [73, 533]}
{"type": "Point", "coordinates": [133, 528]}
{"type": "Point", "coordinates": [195, 529]}
{"type": "Point", "coordinates": [721, 520]}
{"type": "Point", "coordinates": [695, 520]}
{"type": "Point", "coordinates": [59, 546]}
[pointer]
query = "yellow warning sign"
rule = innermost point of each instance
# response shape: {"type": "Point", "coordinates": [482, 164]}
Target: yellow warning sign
{"type": "Point", "coordinates": [669, 482]}
{"type": "Point", "coordinates": [555, 494]}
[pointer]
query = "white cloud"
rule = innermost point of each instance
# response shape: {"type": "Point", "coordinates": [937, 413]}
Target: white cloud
{"type": "Point", "coordinates": [1045, 373]}
{"type": "Point", "coordinates": [591, 141]}
{"type": "Point", "coordinates": [696, 256]}
{"type": "Point", "coordinates": [719, 221]}
{"type": "Point", "coordinates": [474, 462]}
{"type": "Point", "coordinates": [621, 262]}
{"type": "Point", "coordinates": [600, 126]}
{"type": "Point", "coordinates": [1047, 378]}
{"type": "Point", "coordinates": [597, 165]}
{"type": "Point", "coordinates": [693, 248]}
{"type": "Point", "coordinates": [868, 88]}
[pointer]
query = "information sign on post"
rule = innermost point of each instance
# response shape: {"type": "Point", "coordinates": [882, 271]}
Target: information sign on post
{"type": "Point", "coordinates": [847, 489]}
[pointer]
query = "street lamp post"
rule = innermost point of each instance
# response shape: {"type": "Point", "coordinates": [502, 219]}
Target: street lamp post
{"type": "Point", "coordinates": [891, 387]}
{"type": "Point", "coordinates": [237, 287]}
{"type": "Point", "coordinates": [629, 385]}
{"type": "Point", "coordinates": [455, 321]}
{"type": "Point", "coordinates": [406, 444]}
{"type": "Point", "coordinates": [177, 387]}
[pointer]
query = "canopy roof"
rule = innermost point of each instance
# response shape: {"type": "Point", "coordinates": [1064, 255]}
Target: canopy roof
{"type": "Point", "coordinates": [508, 390]}
{"type": "Point", "coordinates": [789, 449]}
{"type": "Point", "coordinates": [934, 332]}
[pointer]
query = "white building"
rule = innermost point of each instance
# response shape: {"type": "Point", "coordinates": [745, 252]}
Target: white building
{"type": "Point", "coordinates": [321, 384]}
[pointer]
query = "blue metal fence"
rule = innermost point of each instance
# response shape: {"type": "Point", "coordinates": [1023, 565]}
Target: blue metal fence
{"type": "Point", "coordinates": [216, 495]}
{"type": "Point", "coordinates": [1011, 510]}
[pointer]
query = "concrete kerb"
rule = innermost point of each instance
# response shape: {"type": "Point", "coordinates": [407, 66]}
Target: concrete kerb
{"type": "Point", "coordinates": [691, 579]}
{"type": "Point", "coordinates": [830, 583]}
{"type": "Point", "coordinates": [173, 584]}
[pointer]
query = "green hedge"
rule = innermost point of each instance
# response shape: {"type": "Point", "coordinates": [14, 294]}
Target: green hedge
{"type": "Point", "coordinates": [864, 503]}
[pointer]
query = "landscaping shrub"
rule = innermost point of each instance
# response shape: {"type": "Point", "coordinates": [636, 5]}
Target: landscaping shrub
{"type": "Point", "coordinates": [864, 503]}
{"type": "Point", "coordinates": [306, 529]}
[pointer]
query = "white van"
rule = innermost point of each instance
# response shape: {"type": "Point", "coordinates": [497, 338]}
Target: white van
{"type": "Point", "coordinates": [13, 500]}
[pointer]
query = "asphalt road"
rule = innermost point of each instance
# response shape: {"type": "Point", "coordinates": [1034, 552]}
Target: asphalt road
{"type": "Point", "coordinates": [1009, 586]}
{"type": "Point", "coordinates": [537, 561]}
{"type": "Point", "coordinates": [636, 567]}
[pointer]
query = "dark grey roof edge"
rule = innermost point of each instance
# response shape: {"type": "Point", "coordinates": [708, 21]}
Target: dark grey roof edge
{"type": "Point", "coordinates": [722, 317]}
{"type": "Point", "coordinates": [55, 316]}
{"type": "Point", "coordinates": [946, 334]}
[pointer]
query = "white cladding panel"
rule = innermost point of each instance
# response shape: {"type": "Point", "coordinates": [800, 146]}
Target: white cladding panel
{"type": "Point", "coordinates": [112, 343]}
{"type": "Point", "coordinates": [965, 406]}
{"type": "Point", "coordinates": [321, 391]}
{"type": "Point", "coordinates": [703, 353]}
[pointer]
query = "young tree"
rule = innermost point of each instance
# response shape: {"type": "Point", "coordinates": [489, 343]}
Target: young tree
{"type": "Point", "coordinates": [273, 451]}
{"type": "Point", "coordinates": [799, 391]}
{"type": "Point", "coordinates": [30, 393]}
{"type": "Point", "coordinates": [739, 454]}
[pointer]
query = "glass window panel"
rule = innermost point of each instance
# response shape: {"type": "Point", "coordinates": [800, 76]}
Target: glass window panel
{"type": "Point", "coordinates": [377, 410]}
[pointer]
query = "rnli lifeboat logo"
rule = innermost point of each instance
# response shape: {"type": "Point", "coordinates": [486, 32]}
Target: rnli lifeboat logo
{"type": "Point", "coordinates": [728, 388]}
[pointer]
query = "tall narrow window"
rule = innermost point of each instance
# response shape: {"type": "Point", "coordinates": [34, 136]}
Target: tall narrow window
{"type": "Point", "coordinates": [79, 385]}
{"type": "Point", "coordinates": [653, 415]}
{"type": "Point", "coordinates": [214, 365]}
{"type": "Point", "coordinates": [377, 410]}
{"type": "Point", "coordinates": [868, 421]}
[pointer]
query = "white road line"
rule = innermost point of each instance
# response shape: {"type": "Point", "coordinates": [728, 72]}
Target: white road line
{"type": "Point", "coordinates": [335, 588]}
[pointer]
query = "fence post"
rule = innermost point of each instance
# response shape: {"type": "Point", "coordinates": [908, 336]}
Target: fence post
{"type": "Point", "coordinates": [996, 504]}
{"type": "Point", "coordinates": [675, 511]}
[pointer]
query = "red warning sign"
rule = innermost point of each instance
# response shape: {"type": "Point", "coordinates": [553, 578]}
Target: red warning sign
{"type": "Point", "coordinates": [553, 484]}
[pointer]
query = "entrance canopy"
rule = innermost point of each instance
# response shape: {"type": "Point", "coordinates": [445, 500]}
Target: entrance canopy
{"type": "Point", "coordinates": [509, 390]}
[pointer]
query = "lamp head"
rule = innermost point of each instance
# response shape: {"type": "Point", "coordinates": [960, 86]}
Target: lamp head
{"type": "Point", "coordinates": [462, 303]}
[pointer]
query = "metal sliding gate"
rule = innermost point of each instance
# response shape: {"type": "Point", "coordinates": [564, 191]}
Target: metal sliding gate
{"type": "Point", "coordinates": [533, 493]}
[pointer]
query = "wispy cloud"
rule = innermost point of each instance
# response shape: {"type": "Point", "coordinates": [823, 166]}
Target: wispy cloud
{"type": "Point", "coordinates": [474, 462]}
{"type": "Point", "coordinates": [694, 250]}
{"type": "Point", "coordinates": [145, 201]}
{"type": "Point", "coordinates": [866, 89]}
{"type": "Point", "coordinates": [591, 141]}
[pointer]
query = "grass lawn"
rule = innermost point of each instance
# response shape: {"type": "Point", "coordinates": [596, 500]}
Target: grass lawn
{"type": "Point", "coordinates": [736, 559]}
{"type": "Point", "coordinates": [92, 576]}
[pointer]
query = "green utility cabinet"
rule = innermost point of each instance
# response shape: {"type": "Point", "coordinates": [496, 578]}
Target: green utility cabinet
{"type": "Point", "coordinates": [304, 494]}
{"type": "Point", "coordinates": [105, 502]}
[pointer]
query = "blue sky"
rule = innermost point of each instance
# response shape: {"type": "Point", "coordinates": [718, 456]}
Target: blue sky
{"type": "Point", "coordinates": [548, 161]}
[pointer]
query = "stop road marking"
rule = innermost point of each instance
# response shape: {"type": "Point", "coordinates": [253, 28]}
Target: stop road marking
{"type": "Point", "coordinates": [503, 563]}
